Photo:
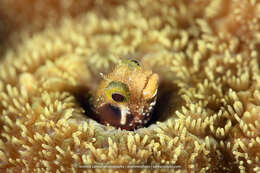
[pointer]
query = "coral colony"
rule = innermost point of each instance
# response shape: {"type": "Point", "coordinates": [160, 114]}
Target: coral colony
{"type": "Point", "coordinates": [202, 56]}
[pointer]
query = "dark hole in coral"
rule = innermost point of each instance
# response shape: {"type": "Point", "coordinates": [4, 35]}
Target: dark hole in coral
{"type": "Point", "coordinates": [168, 101]}
{"type": "Point", "coordinates": [84, 100]}
{"type": "Point", "coordinates": [118, 97]}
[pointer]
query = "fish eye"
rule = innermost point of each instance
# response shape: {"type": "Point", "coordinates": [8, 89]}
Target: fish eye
{"type": "Point", "coordinates": [132, 63]}
{"type": "Point", "coordinates": [118, 97]}
{"type": "Point", "coordinates": [117, 91]}
{"type": "Point", "coordinates": [135, 61]}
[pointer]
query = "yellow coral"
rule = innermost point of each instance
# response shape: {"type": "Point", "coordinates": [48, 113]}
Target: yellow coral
{"type": "Point", "coordinates": [206, 53]}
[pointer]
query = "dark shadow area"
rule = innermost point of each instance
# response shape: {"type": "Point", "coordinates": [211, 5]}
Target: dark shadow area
{"type": "Point", "coordinates": [83, 97]}
{"type": "Point", "coordinates": [167, 102]}
{"type": "Point", "coordinates": [4, 33]}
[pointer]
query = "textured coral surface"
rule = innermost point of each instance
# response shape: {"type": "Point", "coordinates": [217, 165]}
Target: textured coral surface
{"type": "Point", "coordinates": [207, 55]}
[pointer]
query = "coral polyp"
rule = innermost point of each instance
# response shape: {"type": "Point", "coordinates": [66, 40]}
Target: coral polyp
{"type": "Point", "coordinates": [206, 54]}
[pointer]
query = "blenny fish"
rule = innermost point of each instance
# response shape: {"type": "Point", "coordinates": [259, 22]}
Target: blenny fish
{"type": "Point", "coordinates": [125, 98]}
